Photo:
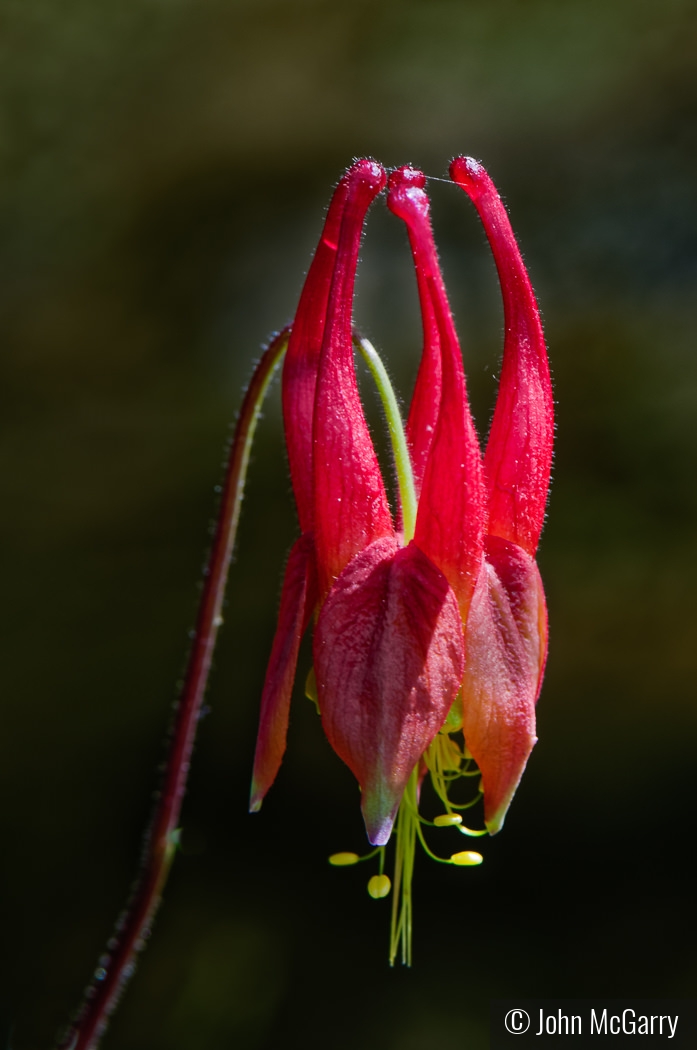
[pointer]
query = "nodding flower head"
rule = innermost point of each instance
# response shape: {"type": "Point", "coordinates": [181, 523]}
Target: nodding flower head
{"type": "Point", "coordinates": [430, 629]}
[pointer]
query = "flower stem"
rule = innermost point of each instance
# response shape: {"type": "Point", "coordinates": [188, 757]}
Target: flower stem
{"type": "Point", "coordinates": [133, 926]}
{"type": "Point", "coordinates": [405, 474]}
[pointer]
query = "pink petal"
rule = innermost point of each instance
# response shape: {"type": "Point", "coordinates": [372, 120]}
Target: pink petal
{"type": "Point", "coordinates": [351, 508]}
{"type": "Point", "coordinates": [425, 401]}
{"type": "Point", "coordinates": [506, 644]}
{"type": "Point", "coordinates": [389, 660]}
{"type": "Point", "coordinates": [302, 358]}
{"type": "Point", "coordinates": [519, 451]}
{"type": "Point", "coordinates": [452, 514]}
{"type": "Point", "coordinates": [298, 598]}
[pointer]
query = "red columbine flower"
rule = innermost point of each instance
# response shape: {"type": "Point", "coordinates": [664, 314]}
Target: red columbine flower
{"type": "Point", "coordinates": [435, 625]}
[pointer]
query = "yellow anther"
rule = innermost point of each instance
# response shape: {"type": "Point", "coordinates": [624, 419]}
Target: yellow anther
{"type": "Point", "coordinates": [344, 860]}
{"type": "Point", "coordinates": [446, 820]}
{"type": "Point", "coordinates": [466, 859]}
{"type": "Point", "coordinates": [379, 886]}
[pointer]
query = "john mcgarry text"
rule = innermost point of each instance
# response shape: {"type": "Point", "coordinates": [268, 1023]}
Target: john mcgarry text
{"type": "Point", "coordinates": [602, 1022]}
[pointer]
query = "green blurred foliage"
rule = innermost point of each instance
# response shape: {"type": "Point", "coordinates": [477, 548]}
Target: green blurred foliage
{"type": "Point", "coordinates": [165, 165]}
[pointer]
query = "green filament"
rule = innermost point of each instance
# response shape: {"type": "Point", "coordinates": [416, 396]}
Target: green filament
{"type": "Point", "coordinates": [405, 831]}
{"type": "Point", "coordinates": [446, 761]}
{"type": "Point", "coordinates": [311, 688]}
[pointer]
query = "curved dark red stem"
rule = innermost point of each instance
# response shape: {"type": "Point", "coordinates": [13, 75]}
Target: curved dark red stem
{"type": "Point", "coordinates": [133, 927]}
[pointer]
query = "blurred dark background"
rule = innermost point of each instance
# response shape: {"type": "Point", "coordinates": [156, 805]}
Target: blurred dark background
{"type": "Point", "coordinates": [165, 169]}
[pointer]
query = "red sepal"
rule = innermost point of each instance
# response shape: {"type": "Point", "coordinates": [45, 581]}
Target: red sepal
{"type": "Point", "coordinates": [298, 598]}
{"type": "Point", "coordinates": [506, 645]}
{"type": "Point", "coordinates": [389, 660]}
{"type": "Point", "coordinates": [351, 508]}
{"type": "Point", "coordinates": [302, 358]}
